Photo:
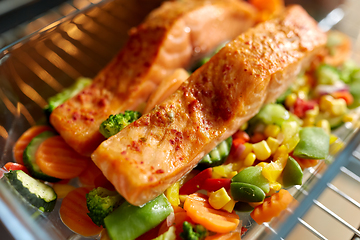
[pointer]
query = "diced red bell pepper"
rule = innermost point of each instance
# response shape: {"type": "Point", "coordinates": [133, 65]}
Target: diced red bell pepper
{"type": "Point", "coordinates": [16, 166]}
{"type": "Point", "coordinates": [301, 106]}
{"type": "Point", "coordinates": [214, 184]}
{"type": "Point", "coordinates": [196, 182]}
{"type": "Point", "coordinates": [240, 137]}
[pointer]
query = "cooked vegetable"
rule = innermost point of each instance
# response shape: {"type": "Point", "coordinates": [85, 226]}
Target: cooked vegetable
{"type": "Point", "coordinates": [327, 74]}
{"type": "Point", "coordinates": [213, 184]}
{"type": "Point", "coordinates": [62, 189]}
{"type": "Point", "coordinates": [314, 143]}
{"type": "Point", "coordinates": [218, 155]}
{"type": "Point", "coordinates": [243, 207]}
{"type": "Point", "coordinates": [196, 182]}
{"type": "Point", "coordinates": [73, 213]}
{"type": "Point", "coordinates": [90, 174]}
{"type": "Point", "coordinates": [272, 206]}
{"type": "Point", "coordinates": [15, 166]}
{"type": "Point", "coordinates": [25, 139]}
{"type": "Point", "coordinates": [180, 218]}
{"type": "Point", "coordinates": [272, 114]}
{"type": "Point", "coordinates": [190, 232]}
{"type": "Point", "coordinates": [35, 192]}
{"type": "Point", "coordinates": [128, 221]}
{"type": "Point", "coordinates": [67, 93]}
{"type": "Point", "coordinates": [252, 175]}
{"type": "Point", "coordinates": [219, 198]}
{"type": "Point", "coordinates": [246, 192]}
{"type": "Point", "coordinates": [355, 92]}
{"type": "Point", "coordinates": [115, 123]}
{"type": "Point", "coordinates": [100, 203]}
{"type": "Point", "coordinates": [292, 173]}
{"type": "Point", "coordinates": [29, 157]}
{"type": "Point", "coordinates": [168, 235]}
{"type": "Point", "coordinates": [199, 210]}
{"type": "Point", "coordinates": [57, 159]}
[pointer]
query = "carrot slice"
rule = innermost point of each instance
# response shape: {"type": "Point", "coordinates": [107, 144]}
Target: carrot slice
{"type": "Point", "coordinates": [200, 211]}
{"type": "Point", "coordinates": [272, 206]}
{"type": "Point", "coordinates": [57, 159]}
{"type": "Point", "coordinates": [73, 213]}
{"type": "Point", "coordinates": [89, 175]}
{"type": "Point", "coordinates": [25, 139]}
{"type": "Point", "coordinates": [62, 190]}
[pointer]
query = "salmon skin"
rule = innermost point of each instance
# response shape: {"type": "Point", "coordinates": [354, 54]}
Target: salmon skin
{"type": "Point", "coordinates": [171, 37]}
{"type": "Point", "coordinates": [152, 153]}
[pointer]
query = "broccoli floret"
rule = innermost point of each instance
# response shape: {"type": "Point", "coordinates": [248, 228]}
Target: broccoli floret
{"type": "Point", "coordinates": [100, 203]}
{"type": "Point", "coordinates": [116, 123]}
{"type": "Point", "coordinates": [67, 93]}
{"type": "Point", "coordinates": [190, 232]}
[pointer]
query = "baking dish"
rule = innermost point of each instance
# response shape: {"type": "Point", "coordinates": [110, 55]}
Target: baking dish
{"type": "Point", "coordinates": [45, 62]}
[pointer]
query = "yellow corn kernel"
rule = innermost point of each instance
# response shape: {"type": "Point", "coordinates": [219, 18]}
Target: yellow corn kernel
{"type": "Point", "coordinates": [255, 204]}
{"type": "Point", "coordinates": [350, 117]}
{"type": "Point", "coordinates": [301, 94]}
{"type": "Point", "coordinates": [62, 190]}
{"type": "Point", "coordinates": [312, 112]}
{"type": "Point", "coordinates": [275, 186]}
{"type": "Point", "coordinates": [219, 198]}
{"type": "Point", "coordinates": [172, 194]}
{"type": "Point", "coordinates": [324, 124]}
{"type": "Point", "coordinates": [308, 121]}
{"type": "Point", "coordinates": [290, 100]}
{"type": "Point", "coordinates": [273, 144]}
{"type": "Point", "coordinates": [182, 198]}
{"type": "Point", "coordinates": [262, 150]}
{"type": "Point", "coordinates": [325, 103]}
{"type": "Point", "coordinates": [272, 130]}
{"type": "Point", "coordinates": [248, 149]}
{"type": "Point", "coordinates": [338, 107]}
{"type": "Point", "coordinates": [244, 126]}
{"type": "Point", "coordinates": [250, 159]}
{"type": "Point", "coordinates": [229, 207]}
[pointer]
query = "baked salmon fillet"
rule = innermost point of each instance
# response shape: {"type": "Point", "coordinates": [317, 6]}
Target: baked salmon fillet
{"type": "Point", "coordinates": [153, 152]}
{"type": "Point", "coordinates": [171, 37]}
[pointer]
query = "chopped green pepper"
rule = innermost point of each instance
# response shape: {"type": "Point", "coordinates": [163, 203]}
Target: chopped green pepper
{"type": "Point", "coordinates": [246, 192]}
{"type": "Point", "coordinates": [252, 175]}
{"type": "Point", "coordinates": [313, 144]}
{"type": "Point", "coordinates": [292, 173]}
{"type": "Point", "coordinates": [129, 222]}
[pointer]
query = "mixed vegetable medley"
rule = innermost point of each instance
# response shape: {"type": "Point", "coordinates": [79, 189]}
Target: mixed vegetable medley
{"type": "Point", "coordinates": [248, 172]}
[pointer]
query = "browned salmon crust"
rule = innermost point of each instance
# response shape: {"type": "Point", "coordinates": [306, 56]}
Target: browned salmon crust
{"type": "Point", "coordinates": [169, 38]}
{"type": "Point", "coordinates": [152, 153]}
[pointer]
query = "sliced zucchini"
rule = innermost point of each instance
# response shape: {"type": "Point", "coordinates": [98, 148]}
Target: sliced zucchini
{"type": "Point", "coordinates": [35, 192]}
{"type": "Point", "coordinates": [217, 156]}
{"type": "Point", "coordinates": [29, 157]}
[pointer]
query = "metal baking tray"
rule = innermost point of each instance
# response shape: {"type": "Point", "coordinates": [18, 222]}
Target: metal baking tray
{"type": "Point", "coordinates": [81, 44]}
